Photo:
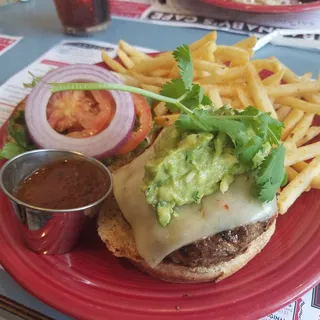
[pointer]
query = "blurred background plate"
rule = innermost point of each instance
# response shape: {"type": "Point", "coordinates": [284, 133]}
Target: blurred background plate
{"type": "Point", "coordinates": [264, 8]}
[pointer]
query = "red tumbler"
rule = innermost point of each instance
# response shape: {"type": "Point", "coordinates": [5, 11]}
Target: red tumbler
{"type": "Point", "coordinates": [83, 17]}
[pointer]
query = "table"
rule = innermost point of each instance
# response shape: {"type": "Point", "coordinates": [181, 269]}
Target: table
{"type": "Point", "coordinates": [37, 22]}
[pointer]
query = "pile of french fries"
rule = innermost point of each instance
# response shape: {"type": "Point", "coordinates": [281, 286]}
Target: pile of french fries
{"type": "Point", "coordinates": [230, 76]}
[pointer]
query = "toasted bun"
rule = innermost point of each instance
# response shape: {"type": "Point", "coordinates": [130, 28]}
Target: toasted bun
{"type": "Point", "coordinates": [118, 237]}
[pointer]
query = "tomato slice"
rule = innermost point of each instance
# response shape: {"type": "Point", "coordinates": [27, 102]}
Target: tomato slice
{"type": "Point", "coordinates": [143, 113]}
{"type": "Point", "coordinates": [80, 113]}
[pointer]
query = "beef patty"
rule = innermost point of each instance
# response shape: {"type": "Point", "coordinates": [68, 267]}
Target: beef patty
{"type": "Point", "coordinates": [221, 247]}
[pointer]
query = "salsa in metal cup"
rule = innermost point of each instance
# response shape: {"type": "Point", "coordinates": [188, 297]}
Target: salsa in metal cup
{"type": "Point", "coordinates": [53, 192]}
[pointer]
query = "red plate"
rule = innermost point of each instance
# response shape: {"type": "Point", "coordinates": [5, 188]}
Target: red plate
{"type": "Point", "coordinates": [90, 283]}
{"type": "Point", "coordinates": [264, 8]}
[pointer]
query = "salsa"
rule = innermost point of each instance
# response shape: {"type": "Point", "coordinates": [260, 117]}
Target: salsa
{"type": "Point", "coordinates": [63, 184]}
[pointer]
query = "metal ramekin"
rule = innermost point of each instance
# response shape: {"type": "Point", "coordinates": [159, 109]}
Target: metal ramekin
{"type": "Point", "coordinates": [45, 230]}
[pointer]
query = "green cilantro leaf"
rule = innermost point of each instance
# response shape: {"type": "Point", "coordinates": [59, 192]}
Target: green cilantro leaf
{"type": "Point", "coordinates": [264, 125]}
{"type": "Point", "coordinates": [285, 180]}
{"type": "Point", "coordinates": [194, 97]}
{"type": "Point", "coordinates": [17, 129]}
{"type": "Point", "coordinates": [206, 101]}
{"type": "Point", "coordinates": [270, 175]}
{"type": "Point", "coordinates": [34, 81]}
{"type": "Point", "coordinates": [184, 60]}
{"type": "Point", "coordinates": [247, 151]}
{"type": "Point", "coordinates": [274, 130]}
{"type": "Point", "coordinates": [173, 89]}
{"type": "Point", "coordinates": [10, 150]}
{"type": "Point", "coordinates": [189, 98]}
{"type": "Point", "coordinates": [212, 123]}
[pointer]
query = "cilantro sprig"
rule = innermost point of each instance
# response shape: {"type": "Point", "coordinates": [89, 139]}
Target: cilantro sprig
{"type": "Point", "coordinates": [255, 134]}
{"type": "Point", "coordinates": [34, 81]}
{"type": "Point", "coordinates": [18, 131]}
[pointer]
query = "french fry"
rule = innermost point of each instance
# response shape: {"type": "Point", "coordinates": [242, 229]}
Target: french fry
{"type": "Point", "coordinates": [247, 43]}
{"type": "Point", "coordinates": [155, 81]}
{"type": "Point", "coordinates": [226, 75]}
{"type": "Point", "coordinates": [300, 129]}
{"type": "Point", "coordinates": [160, 109]}
{"type": "Point", "coordinates": [258, 91]}
{"type": "Point", "coordinates": [263, 64]}
{"type": "Point", "coordinates": [174, 72]}
{"type": "Point", "coordinates": [136, 60]}
{"type": "Point", "coordinates": [163, 61]}
{"type": "Point", "coordinates": [210, 49]}
{"type": "Point", "coordinates": [129, 64]}
{"type": "Point", "coordinates": [199, 74]}
{"type": "Point", "coordinates": [166, 120]}
{"type": "Point", "coordinates": [112, 64]}
{"type": "Point", "coordinates": [237, 81]}
{"type": "Point", "coordinates": [312, 97]}
{"type": "Point", "coordinates": [294, 89]}
{"type": "Point", "coordinates": [294, 189]}
{"type": "Point", "coordinates": [274, 79]}
{"type": "Point", "coordinates": [215, 97]}
{"type": "Point", "coordinates": [205, 52]}
{"type": "Point", "coordinates": [237, 56]}
{"type": "Point", "coordinates": [244, 98]}
{"type": "Point", "coordinates": [299, 104]}
{"type": "Point", "coordinates": [126, 79]}
{"type": "Point", "coordinates": [236, 104]}
{"type": "Point", "coordinates": [306, 76]}
{"type": "Point", "coordinates": [251, 53]}
{"type": "Point", "coordinates": [302, 153]}
{"type": "Point", "coordinates": [289, 76]}
{"type": "Point", "coordinates": [292, 173]}
{"type": "Point", "coordinates": [226, 90]}
{"type": "Point", "coordinates": [208, 66]}
{"type": "Point", "coordinates": [290, 122]}
{"type": "Point", "coordinates": [160, 73]}
{"type": "Point", "coordinates": [151, 88]}
{"type": "Point", "coordinates": [212, 36]}
{"type": "Point", "coordinates": [164, 54]}
{"type": "Point", "coordinates": [226, 101]}
{"type": "Point", "coordinates": [229, 90]}
{"type": "Point", "coordinates": [283, 112]}
{"type": "Point", "coordinates": [132, 51]}
{"type": "Point", "coordinates": [311, 133]}
{"type": "Point", "coordinates": [301, 166]}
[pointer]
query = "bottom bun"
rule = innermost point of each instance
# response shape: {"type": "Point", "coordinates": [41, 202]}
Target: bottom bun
{"type": "Point", "coordinates": [118, 237]}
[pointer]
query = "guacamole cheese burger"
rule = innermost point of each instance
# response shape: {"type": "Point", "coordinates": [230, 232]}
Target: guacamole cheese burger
{"type": "Point", "coordinates": [200, 202]}
{"type": "Point", "coordinates": [216, 225]}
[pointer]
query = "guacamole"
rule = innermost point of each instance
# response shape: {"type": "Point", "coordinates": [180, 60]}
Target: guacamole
{"type": "Point", "coordinates": [186, 167]}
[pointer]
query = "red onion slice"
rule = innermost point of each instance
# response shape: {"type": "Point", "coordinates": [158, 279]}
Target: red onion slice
{"type": "Point", "coordinates": [104, 143]}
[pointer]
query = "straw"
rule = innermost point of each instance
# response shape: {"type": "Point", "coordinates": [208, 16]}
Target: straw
{"type": "Point", "coordinates": [277, 38]}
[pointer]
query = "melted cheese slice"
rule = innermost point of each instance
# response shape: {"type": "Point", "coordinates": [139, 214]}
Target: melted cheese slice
{"type": "Point", "coordinates": [217, 212]}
